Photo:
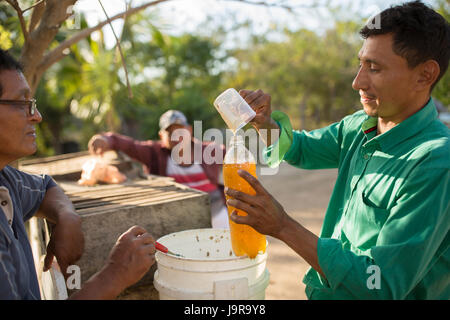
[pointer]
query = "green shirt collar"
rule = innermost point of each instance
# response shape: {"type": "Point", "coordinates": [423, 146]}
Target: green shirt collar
{"type": "Point", "coordinates": [404, 130]}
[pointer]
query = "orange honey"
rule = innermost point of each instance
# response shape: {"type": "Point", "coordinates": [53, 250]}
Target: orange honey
{"type": "Point", "coordinates": [244, 239]}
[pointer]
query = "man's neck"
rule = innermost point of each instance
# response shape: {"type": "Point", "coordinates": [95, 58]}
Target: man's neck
{"type": "Point", "coordinates": [5, 162]}
{"type": "Point", "coordinates": [387, 123]}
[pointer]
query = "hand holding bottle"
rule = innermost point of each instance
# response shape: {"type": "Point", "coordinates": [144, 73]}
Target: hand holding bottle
{"type": "Point", "coordinates": [264, 213]}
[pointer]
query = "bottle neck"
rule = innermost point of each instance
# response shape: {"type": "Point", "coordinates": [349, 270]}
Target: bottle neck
{"type": "Point", "coordinates": [237, 152]}
{"type": "Point", "coordinates": [236, 140]}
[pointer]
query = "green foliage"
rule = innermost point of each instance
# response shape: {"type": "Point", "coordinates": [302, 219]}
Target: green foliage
{"type": "Point", "coordinates": [11, 37]}
{"type": "Point", "coordinates": [441, 90]}
{"type": "Point", "coordinates": [5, 39]}
{"type": "Point", "coordinates": [308, 74]}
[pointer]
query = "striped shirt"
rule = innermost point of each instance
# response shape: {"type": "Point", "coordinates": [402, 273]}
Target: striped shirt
{"type": "Point", "coordinates": [21, 196]}
{"type": "Point", "coordinates": [192, 176]}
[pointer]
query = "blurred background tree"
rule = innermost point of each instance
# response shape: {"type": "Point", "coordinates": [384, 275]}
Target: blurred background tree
{"type": "Point", "coordinates": [309, 76]}
{"type": "Point", "coordinates": [441, 90]}
{"type": "Point", "coordinates": [307, 72]}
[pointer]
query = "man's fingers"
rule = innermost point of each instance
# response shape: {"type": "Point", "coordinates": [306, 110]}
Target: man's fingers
{"type": "Point", "coordinates": [256, 185]}
{"type": "Point", "coordinates": [253, 96]}
{"type": "Point", "coordinates": [260, 102]}
{"type": "Point", "coordinates": [244, 93]}
{"type": "Point", "coordinates": [48, 260]}
{"type": "Point", "coordinates": [145, 239]}
{"type": "Point", "coordinates": [241, 206]}
{"type": "Point", "coordinates": [136, 231]}
{"type": "Point", "coordinates": [149, 249]}
{"type": "Point", "coordinates": [250, 199]}
{"type": "Point", "coordinates": [239, 219]}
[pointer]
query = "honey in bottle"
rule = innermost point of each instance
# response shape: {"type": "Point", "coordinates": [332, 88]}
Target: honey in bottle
{"type": "Point", "coordinates": [244, 239]}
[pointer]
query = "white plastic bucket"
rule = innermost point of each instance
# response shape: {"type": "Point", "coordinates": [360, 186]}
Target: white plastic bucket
{"type": "Point", "coordinates": [209, 270]}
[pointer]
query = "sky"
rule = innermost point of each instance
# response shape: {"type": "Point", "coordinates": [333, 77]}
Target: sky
{"type": "Point", "coordinates": [179, 16]}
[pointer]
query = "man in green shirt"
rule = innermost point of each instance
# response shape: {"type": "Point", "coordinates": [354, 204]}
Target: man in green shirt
{"type": "Point", "coordinates": [386, 229]}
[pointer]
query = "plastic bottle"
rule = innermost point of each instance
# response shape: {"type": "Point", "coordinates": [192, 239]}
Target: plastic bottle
{"type": "Point", "coordinates": [244, 239]}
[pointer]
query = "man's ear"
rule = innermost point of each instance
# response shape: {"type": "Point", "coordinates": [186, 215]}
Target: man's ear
{"type": "Point", "coordinates": [189, 128]}
{"type": "Point", "coordinates": [428, 73]}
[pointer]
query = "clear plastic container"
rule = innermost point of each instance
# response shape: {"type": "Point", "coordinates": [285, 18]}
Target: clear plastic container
{"type": "Point", "coordinates": [233, 109]}
{"type": "Point", "coordinates": [244, 239]}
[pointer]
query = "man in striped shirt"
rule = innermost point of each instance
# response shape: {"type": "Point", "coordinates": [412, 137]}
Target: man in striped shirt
{"type": "Point", "coordinates": [173, 156]}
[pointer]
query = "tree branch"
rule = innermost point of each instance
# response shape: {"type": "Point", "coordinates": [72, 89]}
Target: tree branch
{"type": "Point", "coordinates": [19, 11]}
{"type": "Point", "coordinates": [34, 5]}
{"type": "Point", "coordinates": [57, 54]}
{"type": "Point", "coordinates": [280, 4]}
{"type": "Point", "coordinates": [53, 15]}
{"type": "Point", "coordinates": [36, 16]}
{"type": "Point", "coordinates": [122, 58]}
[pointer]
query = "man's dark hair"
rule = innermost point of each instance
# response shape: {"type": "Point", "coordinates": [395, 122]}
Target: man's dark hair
{"type": "Point", "coordinates": [7, 62]}
{"type": "Point", "coordinates": [419, 34]}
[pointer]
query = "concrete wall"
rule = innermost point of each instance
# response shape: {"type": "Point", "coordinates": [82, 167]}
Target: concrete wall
{"type": "Point", "coordinates": [158, 204]}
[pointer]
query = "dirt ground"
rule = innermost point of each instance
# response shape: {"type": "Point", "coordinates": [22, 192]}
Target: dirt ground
{"type": "Point", "coordinates": [304, 194]}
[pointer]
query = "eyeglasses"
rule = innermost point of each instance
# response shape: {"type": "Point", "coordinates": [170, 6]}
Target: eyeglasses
{"type": "Point", "coordinates": [30, 104]}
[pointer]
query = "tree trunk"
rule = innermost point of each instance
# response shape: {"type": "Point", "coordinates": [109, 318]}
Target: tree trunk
{"type": "Point", "coordinates": [33, 51]}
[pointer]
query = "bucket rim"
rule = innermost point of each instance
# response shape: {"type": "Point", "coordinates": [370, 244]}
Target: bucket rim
{"type": "Point", "coordinates": [260, 257]}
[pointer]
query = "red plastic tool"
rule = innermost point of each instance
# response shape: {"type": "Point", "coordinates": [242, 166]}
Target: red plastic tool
{"type": "Point", "coordinates": [163, 249]}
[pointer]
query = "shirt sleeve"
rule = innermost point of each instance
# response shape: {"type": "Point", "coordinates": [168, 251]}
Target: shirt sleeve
{"type": "Point", "coordinates": [413, 238]}
{"type": "Point", "coordinates": [31, 191]}
{"type": "Point", "coordinates": [138, 150]}
{"type": "Point", "coordinates": [316, 149]}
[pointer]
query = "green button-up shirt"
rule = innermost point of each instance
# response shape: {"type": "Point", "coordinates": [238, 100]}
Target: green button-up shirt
{"type": "Point", "coordinates": [386, 230]}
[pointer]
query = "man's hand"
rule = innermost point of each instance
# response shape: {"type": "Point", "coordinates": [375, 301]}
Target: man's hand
{"type": "Point", "coordinates": [267, 216]}
{"type": "Point", "coordinates": [66, 240]}
{"type": "Point", "coordinates": [264, 213]}
{"type": "Point", "coordinates": [129, 260]}
{"type": "Point", "coordinates": [98, 145]}
{"type": "Point", "coordinates": [66, 243]}
{"type": "Point", "coordinates": [260, 103]}
{"type": "Point", "coordinates": [131, 257]}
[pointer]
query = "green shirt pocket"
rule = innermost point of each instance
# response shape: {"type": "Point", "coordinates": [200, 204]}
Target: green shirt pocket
{"type": "Point", "coordinates": [363, 223]}
{"type": "Point", "coordinates": [374, 214]}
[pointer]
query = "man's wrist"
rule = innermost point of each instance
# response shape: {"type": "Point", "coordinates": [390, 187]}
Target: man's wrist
{"type": "Point", "coordinates": [103, 285]}
{"type": "Point", "coordinates": [265, 131]}
{"type": "Point", "coordinates": [271, 124]}
{"type": "Point", "coordinates": [288, 226]}
{"type": "Point", "coordinates": [112, 275]}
